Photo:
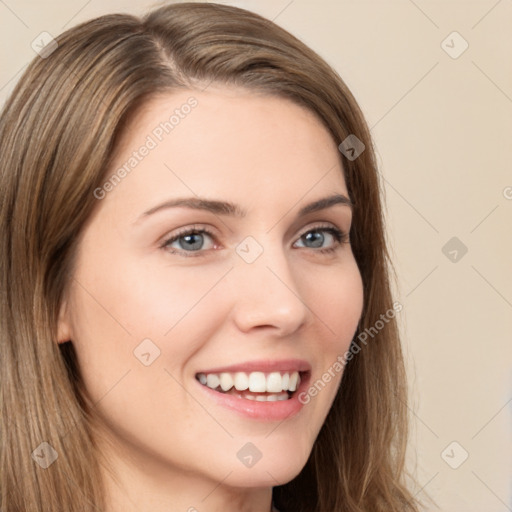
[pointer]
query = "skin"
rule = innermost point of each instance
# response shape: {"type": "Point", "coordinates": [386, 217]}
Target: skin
{"type": "Point", "coordinates": [172, 448]}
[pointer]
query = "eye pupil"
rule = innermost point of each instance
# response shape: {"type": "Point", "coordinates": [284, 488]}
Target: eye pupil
{"type": "Point", "coordinates": [189, 238]}
{"type": "Point", "coordinates": [312, 235]}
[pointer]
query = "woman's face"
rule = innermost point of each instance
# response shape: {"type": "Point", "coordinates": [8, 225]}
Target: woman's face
{"type": "Point", "coordinates": [269, 292]}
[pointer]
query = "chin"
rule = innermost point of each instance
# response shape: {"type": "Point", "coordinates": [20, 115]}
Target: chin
{"type": "Point", "coordinates": [268, 476]}
{"type": "Point", "coordinates": [274, 467]}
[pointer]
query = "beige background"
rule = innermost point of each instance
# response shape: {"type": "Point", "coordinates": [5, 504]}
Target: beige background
{"type": "Point", "coordinates": [443, 129]}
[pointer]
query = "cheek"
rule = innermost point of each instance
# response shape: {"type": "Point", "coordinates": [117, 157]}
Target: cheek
{"type": "Point", "coordinates": [101, 342]}
{"type": "Point", "coordinates": [337, 306]}
{"type": "Point", "coordinates": [338, 303]}
{"type": "Point", "coordinates": [156, 297]}
{"type": "Point", "coordinates": [117, 308]}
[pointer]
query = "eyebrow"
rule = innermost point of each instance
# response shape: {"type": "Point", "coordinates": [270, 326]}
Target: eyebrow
{"type": "Point", "coordinates": [234, 210]}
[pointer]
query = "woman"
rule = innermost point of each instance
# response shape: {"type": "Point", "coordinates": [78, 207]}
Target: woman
{"type": "Point", "coordinates": [196, 308]}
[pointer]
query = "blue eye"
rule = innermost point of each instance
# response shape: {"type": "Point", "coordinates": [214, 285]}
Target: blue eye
{"type": "Point", "coordinates": [189, 241]}
{"type": "Point", "coordinates": [316, 236]}
{"type": "Point", "coordinates": [192, 240]}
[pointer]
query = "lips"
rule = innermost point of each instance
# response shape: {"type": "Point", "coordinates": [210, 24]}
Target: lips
{"type": "Point", "coordinates": [261, 406]}
{"type": "Point", "coordinates": [263, 365]}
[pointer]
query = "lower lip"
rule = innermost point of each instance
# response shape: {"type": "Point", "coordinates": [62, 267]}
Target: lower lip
{"type": "Point", "coordinates": [266, 411]}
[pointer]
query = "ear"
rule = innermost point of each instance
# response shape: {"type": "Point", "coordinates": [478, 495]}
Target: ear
{"type": "Point", "coordinates": [63, 324]}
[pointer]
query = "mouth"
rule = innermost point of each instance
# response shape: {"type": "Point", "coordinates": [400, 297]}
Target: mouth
{"type": "Point", "coordinates": [257, 385]}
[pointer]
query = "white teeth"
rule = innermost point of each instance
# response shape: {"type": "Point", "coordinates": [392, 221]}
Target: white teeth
{"type": "Point", "coordinates": [257, 382]}
{"type": "Point", "coordinates": [267, 398]}
{"type": "Point", "coordinates": [294, 381]}
{"type": "Point", "coordinates": [285, 380]}
{"type": "Point", "coordinates": [226, 382]}
{"type": "Point", "coordinates": [212, 380]}
{"type": "Point", "coordinates": [241, 381]}
{"type": "Point", "coordinates": [274, 382]}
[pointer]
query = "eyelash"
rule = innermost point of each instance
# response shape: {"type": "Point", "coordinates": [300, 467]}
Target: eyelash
{"type": "Point", "coordinates": [339, 236]}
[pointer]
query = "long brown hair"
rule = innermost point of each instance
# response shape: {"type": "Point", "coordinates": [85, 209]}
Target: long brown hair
{"type": "Point", "coordinates": [58, 132]}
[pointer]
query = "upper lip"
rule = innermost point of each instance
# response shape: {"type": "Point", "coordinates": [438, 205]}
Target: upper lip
{"type": "Point", "coordinates": [264, 365]}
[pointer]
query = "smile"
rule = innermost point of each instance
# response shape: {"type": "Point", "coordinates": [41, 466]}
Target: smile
{"type": "Point", "coordinates": [257, 386]}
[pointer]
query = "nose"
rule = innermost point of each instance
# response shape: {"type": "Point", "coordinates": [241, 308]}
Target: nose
{"type": "Point", "coordinates": [267, 293]}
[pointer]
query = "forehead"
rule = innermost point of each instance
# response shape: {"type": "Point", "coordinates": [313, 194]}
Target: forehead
{"type": "Point", "coordinates": [227, 141]}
